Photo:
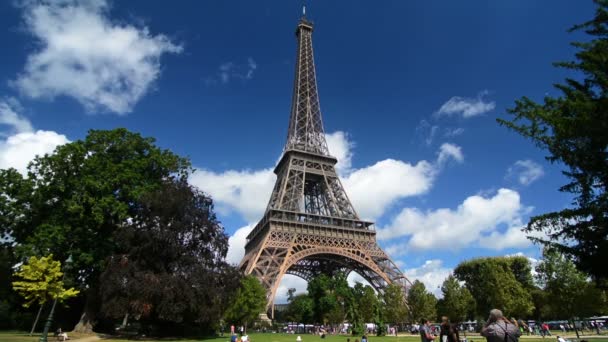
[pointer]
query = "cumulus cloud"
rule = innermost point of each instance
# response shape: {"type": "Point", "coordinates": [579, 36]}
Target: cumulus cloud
{"type": "Point", "coordinates": [372, 189]}
{"type": "Point", "coordinates": [525, 171]}
{"type": "Point", "coordinates": [19, 149]}
{"type": "Point", "coordinates": [341, 147]}
{"type": "Point", "coordinates": [476, 221]}
{"type": "Point", "coordinates": [246, 192]}
{"type": "Point", "coordinates": [449, 151]}
{"type": "Point", "coordinates": [236, 244]}
{"type": "Point", "coordinates": [466, 107]}
{"type": "Point", "coordinates": [10, 117]}
{"type": "Point", "coordinates": [432, 274]}
{"type": "Point", "coordinates": [104, 65]}
{"type": "Point", "coordinates": [21, 144]}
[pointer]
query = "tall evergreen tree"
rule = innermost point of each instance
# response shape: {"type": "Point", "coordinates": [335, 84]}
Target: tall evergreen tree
{"type": "Point", "coordinates": [572, 128]}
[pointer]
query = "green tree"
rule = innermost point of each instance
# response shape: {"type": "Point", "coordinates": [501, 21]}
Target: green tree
{"type": "Point", "coordinates": [366, 301]}
{"type": "Point", "coordinates": [457, 302]}
{"type": "Point", "coordinates": [74, 200]}
{"type": "Point", "coordinates": [422, 304]}
{"type": "Point", "coordinates": [41, 280]}
{"type": "Point", "coordinates": [172, 246]}
{"type": "Point", "coordinates": [249, 302]}
{"type": "Point", "coordinates": [300, 309]}
{"type": "Point", "coordinates": [332, 298]}
{"type": "Point", "coordinates": [568, 292]}
{"type": "Point", "coordinates": [572, 128]}
{"type": "Point", "coordinates": [499, 282]}
{"type": "Point", "coordinates": [393, 304]}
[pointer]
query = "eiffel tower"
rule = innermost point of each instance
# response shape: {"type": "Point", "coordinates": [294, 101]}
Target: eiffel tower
{"type": "Point", "coordinates": [310, 226]}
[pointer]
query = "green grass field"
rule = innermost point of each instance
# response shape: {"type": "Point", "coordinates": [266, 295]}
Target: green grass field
{"type": "Point", "coordinates": [23, 337]}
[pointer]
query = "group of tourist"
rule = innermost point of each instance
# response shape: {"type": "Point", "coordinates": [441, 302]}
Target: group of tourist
{"type": "Point", "coordinates": [497, 329]}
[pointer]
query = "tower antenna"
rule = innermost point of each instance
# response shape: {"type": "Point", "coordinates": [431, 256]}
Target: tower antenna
{"type": "Point", "coordinates": [303, 10]}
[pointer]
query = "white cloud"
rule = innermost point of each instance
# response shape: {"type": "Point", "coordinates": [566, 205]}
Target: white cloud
{"type": "Point", "coordinates": [83, 54]}
{"type": "Point", "coordinates": [526, 171]}
{"type": "Point", "coordinates": [432, 274]}
{"type": "Point", "coordinates": [229, 70]}
{"type": "Point", "coordinates": [246, 192]}
{"type": "Point", "coordinates": [449, 151]}
{"type": "Point", "coordinates": [19, 149]}
{"type": "Point", "coordinates": [9, 116]}
{"type": "Point", "coordinates": [477, 221]}
{"type": "Point", "coordinates": [453, 132]}
{"type": "Point", "coordinates": [372, 189]}
{"type": "Point", "coordinates": [513, 237]}
{"type": "Point", "coordinates": [342, 148]}
{"type": "Point", "coordinates": [466, 107]}
{"type": "Point", "coordinates": [236, 244]}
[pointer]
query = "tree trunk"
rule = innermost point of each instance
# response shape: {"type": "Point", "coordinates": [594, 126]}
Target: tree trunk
{"type": "Point", "coordinates": [575, 329]}
{"type": "Point", "coordinates": [125, 321]}
{"type": "Point", "coordinates": [85, 325]}
{"type": "Point", "coordinates": [36, 321]}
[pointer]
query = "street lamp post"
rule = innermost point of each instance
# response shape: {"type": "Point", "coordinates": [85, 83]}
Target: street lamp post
{"type": "Point", "coordinates": [49, 319]}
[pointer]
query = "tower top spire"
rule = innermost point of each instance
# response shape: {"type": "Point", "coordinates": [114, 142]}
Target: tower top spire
{"type": "Point", "coordinates": [305, 131]}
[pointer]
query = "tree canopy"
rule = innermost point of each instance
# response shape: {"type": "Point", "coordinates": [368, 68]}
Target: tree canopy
{"type": "Point", "coordinates": [572, 128]}
{"type": "Point", "coordinates": [169, 261]}
{"type": "Point", "coordinates": [499, 282]}
{"type": "Point", "coordinates": [457, 302]}
{"type": "Point", "coordinates": [73, 200]}
{"type": "Point", "coordinates": [422, 304]}
{"type": "Point", "coordinates": [249, 302]}
{"type": "Point", "coordinates": [393, 304]}
{"type": "Point", "coordinates": [567, 291]}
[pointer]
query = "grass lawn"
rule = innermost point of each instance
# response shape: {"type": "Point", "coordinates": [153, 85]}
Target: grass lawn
{"type": "Point", "coordinates": [23, 337]}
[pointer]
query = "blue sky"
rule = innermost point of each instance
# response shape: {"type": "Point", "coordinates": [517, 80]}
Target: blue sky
{"type": "Point", "coordinates": [409, 93]}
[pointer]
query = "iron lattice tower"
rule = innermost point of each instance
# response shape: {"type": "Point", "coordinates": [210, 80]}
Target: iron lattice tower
{"type": "Point", "coordinates": [310, 226]}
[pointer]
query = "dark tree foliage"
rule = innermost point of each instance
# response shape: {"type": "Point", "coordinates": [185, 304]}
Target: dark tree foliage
{"type": "Point", "coordinates": [573, 129]}
{"type": "Point", "coordinates": [73, 201]}
{"type": "Point", "coordinates": [169, 264]}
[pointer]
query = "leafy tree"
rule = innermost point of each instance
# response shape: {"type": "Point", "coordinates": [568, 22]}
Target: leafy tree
{"type": "Point", "coordinates": [300, 309]}
{"type": "Point", "coordinates": [332, 298]}
{"type": "Point", "coordinates": [498, 282]}
{"type": "Point", "coordinates": [366, 302]}
{"type": "Point", "coordinates": [422, 303]}
{"type": "Point", "coordinates": [393, 304]}
{"type": "Point", "coordinates": [457, 302]}
{"type": "Point", "coordinates": [41, 281]}
{"type": "Point", "coordinates": [169, 264]}
{"type": "Point", "coordinates": [74, 200]}
{"type": "Point", "coordinates": [572, 128]}
{"type": "Point", "coordinates": [567, 290]}
{"type": "Point", "coordinates": [249, 302]}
